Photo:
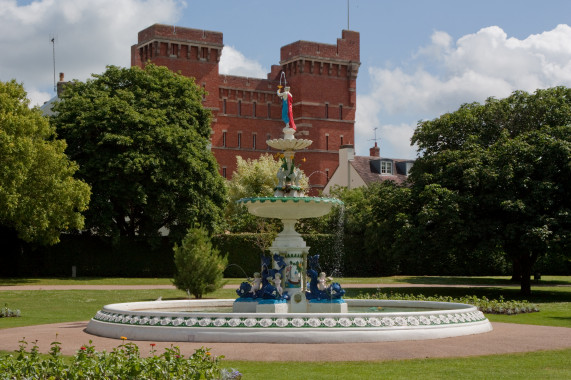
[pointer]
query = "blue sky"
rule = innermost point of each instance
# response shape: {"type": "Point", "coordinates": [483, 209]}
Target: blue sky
{"type": "Point", "coordinates": [419, 59]}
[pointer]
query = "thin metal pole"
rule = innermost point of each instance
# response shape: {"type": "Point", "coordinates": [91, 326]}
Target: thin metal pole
{"type": "Point", "coordinates": [348, 28]}
{"type": "Point", "coordinates": [54, 60]}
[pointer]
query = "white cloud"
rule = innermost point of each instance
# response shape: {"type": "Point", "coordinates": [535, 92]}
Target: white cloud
{"type": "Point", "coordinates": [89, 35]}
{"type": "Point", "coordinates": [477, 66]}
{"type": "Point", "coordinates": [393, 139]}
{"type": "Point", "coordinates": [37, 98]}
{"type": "Point", "coordinates": [233, 62]}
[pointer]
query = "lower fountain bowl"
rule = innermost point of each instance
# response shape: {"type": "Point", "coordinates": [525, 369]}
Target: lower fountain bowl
{"type": "Point", "coordinates": [289, 207]}
{"type": "Point", "coordinates": [150, 321]}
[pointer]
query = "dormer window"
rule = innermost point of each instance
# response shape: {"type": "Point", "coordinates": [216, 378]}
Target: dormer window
{"type": "Point", "coordinates": [386, 167]}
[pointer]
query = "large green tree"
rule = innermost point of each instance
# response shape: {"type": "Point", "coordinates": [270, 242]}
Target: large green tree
{"type": "Point", "coordinates": [141, 138]}
{"type": "Point", "coordinates": [39, 197]}
{"type": "Point", "coordinates": [506, 164]}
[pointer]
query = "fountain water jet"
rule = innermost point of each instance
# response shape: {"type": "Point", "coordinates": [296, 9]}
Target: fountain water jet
{"type": "Point", "coordinates": [278, 305]}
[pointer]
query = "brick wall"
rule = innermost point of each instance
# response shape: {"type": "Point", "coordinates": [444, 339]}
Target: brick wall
{"type": "Point", "coordinates": [322, 78]}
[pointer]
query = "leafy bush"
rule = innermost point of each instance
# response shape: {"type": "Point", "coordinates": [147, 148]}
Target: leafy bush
{"type": "Point", "coordinates": [199, 266]}
{"type": "Point", "coordinates": [124, 362]}
{"type": "Point", "coordinates": [483, 304]}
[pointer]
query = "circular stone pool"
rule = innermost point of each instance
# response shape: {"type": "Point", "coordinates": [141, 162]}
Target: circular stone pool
{"type": "Point", "coordinates": [150, 321]}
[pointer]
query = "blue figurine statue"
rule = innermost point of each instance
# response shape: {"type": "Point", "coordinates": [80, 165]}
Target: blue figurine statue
{"type": "Point", "coordinates": [271, 287]}
{"type": "Point", "coordinates": [318, 285]}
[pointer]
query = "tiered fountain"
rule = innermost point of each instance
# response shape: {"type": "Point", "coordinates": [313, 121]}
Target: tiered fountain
{"type": "Point", "coordinates": [282, 285]}
{"type": "Point", "coordinates": [278, 305]}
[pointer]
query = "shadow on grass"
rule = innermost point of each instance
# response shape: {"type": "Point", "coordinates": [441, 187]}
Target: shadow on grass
{"type": "Point", "coordinates": [43, 280]}
{"type": "Point", "coordinates": [17, 281]}
{"type": "Point", "coordinates": [561, 318]}
{"type": "Point", "coordinates": [465, 280]}
{"type": "Point", "coordinates": [453, 280]}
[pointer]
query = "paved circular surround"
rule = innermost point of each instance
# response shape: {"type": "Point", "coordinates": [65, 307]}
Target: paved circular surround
{"type": "Point", "coordinates": [146, 321]}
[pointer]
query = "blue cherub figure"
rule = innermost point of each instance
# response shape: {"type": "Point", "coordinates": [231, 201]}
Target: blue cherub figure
{"type": "Point", "coordinates": [318, 288]}
{"type": "Point", "coordinates": [268, 290]}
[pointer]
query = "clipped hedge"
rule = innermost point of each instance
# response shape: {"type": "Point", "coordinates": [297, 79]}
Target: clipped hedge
{"type": "Point", "coordinates": [340, 256]}
{"type": "Point", "coordinates": [92, 256]}
{"type": "Point", "coordinates": [243, 253]}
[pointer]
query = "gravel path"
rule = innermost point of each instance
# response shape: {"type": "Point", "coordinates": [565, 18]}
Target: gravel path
{"type": "Point", "coordinates": [505, 338]}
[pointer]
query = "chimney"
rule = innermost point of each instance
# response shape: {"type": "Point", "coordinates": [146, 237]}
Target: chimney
{"type": "Point", "coordinates": [346, 153]}
{"type": "Point", "coordinates": [60, 84]}
{"type": "Point", "coordinates": [375, 151]}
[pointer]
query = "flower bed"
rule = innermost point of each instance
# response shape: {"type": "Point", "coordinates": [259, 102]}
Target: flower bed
{"type": "Point", "coordinates": [5, 312]}
{"type": "Point", "coordinates": [124, 362]}
{"type": "Point", "coordinates": [485, 305]}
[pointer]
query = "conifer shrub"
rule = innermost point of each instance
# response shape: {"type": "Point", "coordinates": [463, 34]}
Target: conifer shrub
{"type": "Point", "coordinates": [199, 266]}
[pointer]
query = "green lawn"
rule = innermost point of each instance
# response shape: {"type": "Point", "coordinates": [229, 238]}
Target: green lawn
{"type": "Point", "coordinates": [538, 365]}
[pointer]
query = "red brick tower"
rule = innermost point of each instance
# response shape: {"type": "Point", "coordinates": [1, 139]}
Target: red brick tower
{"type": "Point", "coordinates": [323, 81]}
{"type": "Point", "coordinates": [247, 111]}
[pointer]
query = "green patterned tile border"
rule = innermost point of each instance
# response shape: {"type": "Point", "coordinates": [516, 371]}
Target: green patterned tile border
{"type": "Point", "coordinates": [232, 321]}
{"type": "Point", "coordinates": [290, 199]}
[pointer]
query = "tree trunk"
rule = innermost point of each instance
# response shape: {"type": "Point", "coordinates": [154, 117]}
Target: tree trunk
{"type": "Point", "coordinates": [516, 270]}
{"type": "Point", "coordinates": [525, 266]}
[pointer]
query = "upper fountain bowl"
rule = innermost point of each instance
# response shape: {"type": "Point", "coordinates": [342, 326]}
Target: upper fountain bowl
{"type": "Point", "coordinates": [289, 145]}
{"type": "Point", "coordinates": [289, 207]}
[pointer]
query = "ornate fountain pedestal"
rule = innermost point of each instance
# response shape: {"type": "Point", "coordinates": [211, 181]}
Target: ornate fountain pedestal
{"type": "Point", "coordinates": [289, 204]}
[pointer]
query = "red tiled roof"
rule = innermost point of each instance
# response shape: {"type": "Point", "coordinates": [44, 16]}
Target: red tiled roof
{"type": "Point", "coordinates": [363, 165]}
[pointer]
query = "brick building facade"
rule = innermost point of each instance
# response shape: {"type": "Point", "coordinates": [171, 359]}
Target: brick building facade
{"type": "Point", "coordinates": [247, 111]}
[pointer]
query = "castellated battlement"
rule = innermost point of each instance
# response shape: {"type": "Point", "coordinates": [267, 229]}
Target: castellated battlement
{"type": "Point", "coordinates": [346, 49]}
{"type": "Point", "coordinates": [246, 83]}
{"type": "Point", "coordinates": [181, 34]}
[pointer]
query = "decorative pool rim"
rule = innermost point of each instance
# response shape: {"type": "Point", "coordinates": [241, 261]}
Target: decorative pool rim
{"type": "Point", "coordinates": [128, 320]}
{"type": "Point", "coordinates": [291, 199]}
